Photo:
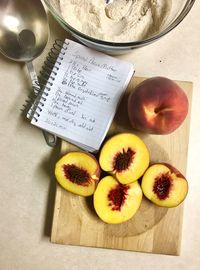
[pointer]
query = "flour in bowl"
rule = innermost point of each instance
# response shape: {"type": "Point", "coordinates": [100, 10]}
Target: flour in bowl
{"type": "Point", "coordinates": [117, 20]}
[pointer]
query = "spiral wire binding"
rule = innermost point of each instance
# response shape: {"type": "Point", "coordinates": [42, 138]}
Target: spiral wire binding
{"type": "Point", "coordinates": [35, 101]}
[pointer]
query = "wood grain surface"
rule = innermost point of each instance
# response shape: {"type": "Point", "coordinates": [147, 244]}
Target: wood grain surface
{"type": "Point", "coordinates": [153, 229]}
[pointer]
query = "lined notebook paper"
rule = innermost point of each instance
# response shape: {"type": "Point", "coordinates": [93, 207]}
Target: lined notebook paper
{"type": "Point", "coordinates": [81, 95]}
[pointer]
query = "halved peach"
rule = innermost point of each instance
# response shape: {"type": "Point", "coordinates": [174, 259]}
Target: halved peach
{"type": "Point", "coordinates": [125, 156]}
{"type": "Point", "coordinates": [164, 185]}
{"type": "Point", "coordinates": [116, 203]}
{"type": "Point", "coordinates": [78, 172]}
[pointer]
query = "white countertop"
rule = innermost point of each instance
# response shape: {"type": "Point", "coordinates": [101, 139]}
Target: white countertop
{"type": "Point", "coordinates": [27, 187]}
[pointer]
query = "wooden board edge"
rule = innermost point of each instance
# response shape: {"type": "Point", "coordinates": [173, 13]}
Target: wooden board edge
{"type": "Point", "coordinates": [55, 214]}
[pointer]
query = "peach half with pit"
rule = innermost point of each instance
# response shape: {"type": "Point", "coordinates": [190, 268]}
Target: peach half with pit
{"type": "Point", "coordinates": [116, 203]}
{"type": "Point", "coordinates": [124, 156]}
{"type": "Point", "coordinates": [164, 185]}
{"type": "Point", "coordinates": [78, 172]}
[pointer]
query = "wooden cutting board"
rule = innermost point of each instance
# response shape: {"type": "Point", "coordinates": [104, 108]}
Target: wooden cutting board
{"type": "Point", "coordinates": [153, 229]}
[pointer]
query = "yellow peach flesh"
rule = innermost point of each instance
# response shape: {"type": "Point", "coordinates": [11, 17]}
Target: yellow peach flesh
{"type": "Point", "coordinates": [177, 192]}
{"type": "Point", "coordinates": [119, 144]}
{"type": "Point", "coordinates": [82, 161]}
{"type": "Point", "coordinates": [104, 207]}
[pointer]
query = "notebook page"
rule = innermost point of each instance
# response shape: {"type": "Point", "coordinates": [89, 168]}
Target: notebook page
{"type": "Point", "coordinates": [83, 96]}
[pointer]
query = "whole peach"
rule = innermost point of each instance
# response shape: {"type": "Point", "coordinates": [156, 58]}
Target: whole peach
{"type": "Point", "coordinates": [157, 105]}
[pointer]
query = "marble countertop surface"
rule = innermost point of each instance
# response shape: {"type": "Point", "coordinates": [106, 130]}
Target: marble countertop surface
{"type": "Point", "coordinates": [27, 190]}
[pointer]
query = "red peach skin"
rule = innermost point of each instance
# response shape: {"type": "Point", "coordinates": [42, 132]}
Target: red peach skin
{"type": "Point", "coordinates": [158, 106]}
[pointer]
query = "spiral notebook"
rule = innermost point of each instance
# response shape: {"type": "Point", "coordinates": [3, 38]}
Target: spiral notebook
{"type": "Point", "coordinates": [81, 94]}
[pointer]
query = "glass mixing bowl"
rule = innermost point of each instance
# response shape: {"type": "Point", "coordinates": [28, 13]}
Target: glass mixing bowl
{"type": "Point", "coordinates": [179, 10]}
